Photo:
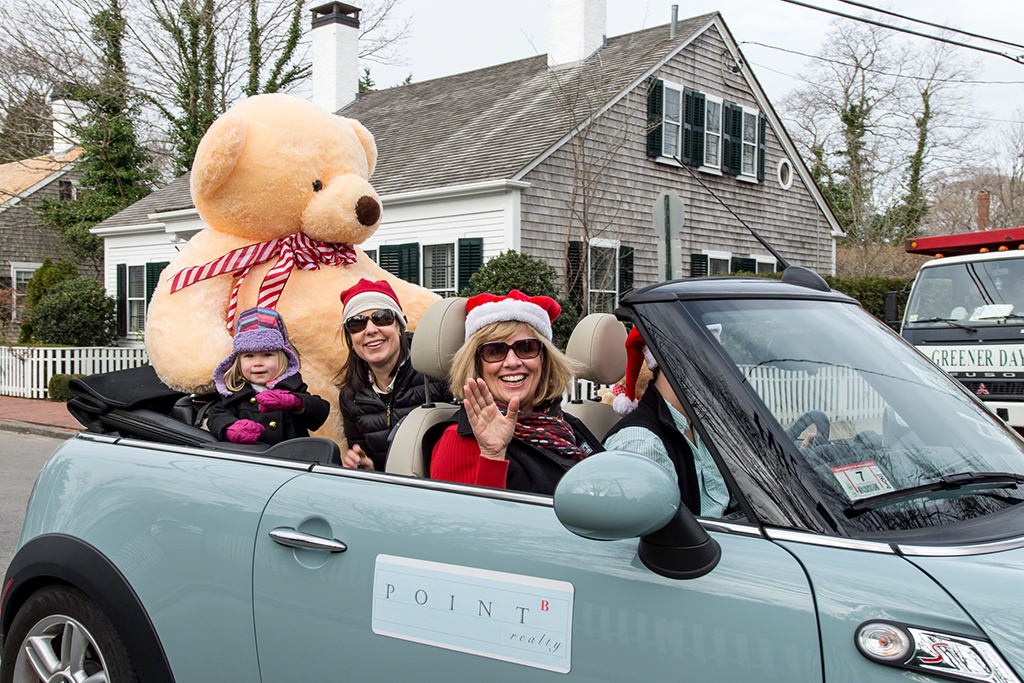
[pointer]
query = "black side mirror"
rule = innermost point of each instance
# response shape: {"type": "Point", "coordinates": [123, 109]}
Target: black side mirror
{"type": "Point", "coordinates": [892, 307]}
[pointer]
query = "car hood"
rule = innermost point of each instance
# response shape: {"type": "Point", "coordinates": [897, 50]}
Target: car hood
{"type": "Point", "coordinates": [988, 587]}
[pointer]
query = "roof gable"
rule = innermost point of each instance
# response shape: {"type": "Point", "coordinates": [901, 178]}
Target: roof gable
{"type": "Point", "coordinates": [19, 179]}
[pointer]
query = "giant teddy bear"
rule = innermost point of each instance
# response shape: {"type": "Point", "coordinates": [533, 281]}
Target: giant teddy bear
{"type": "Point", "coordinates": [283, 186]}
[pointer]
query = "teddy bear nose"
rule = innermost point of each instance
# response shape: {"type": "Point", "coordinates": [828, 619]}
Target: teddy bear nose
{"type": "Point", "coordinates": [367, 210]}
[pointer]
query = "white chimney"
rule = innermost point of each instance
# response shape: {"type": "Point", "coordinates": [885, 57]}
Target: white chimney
{"type": "Point", "coordinates": [335, 45]}
{"type": "Point", "coordinates": [576, 29]}
{"type": "Point", "coordinates": [68, 118]}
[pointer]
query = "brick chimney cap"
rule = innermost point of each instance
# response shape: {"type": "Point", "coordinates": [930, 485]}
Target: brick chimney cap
{"type": "Point", "coordinates": [336, 13]}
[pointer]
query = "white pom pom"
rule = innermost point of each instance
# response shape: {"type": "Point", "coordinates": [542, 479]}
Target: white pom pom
{"type": "Point", "coordinates": [623, 406]}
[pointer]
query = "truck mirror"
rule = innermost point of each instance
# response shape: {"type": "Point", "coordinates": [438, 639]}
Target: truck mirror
{"type": "Point", "coordinates": [892, 316]}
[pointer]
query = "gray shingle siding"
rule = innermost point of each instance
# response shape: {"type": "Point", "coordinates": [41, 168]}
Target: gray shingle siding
{"type": "Point", "coordinates": [621, 203]}
{"type": "Point", "coordinates": [23, 238]}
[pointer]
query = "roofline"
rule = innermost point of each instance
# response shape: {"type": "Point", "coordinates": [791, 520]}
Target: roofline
{"type": "Point", "coordinates": [755, 86]}
{"type": "Point", "coordinates": [38, 186]}
{"type": "Point", "coordinates": [613, 101]}
{"type": "Point", "coordinates": [467, 190]}
{"type": "Point", "coordinates": [129, 230]}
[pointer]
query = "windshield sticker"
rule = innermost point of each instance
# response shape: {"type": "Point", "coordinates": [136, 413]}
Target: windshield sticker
{"type": "Point", "coordinates": [862, 479]}
{"type": "Point", "coordinates": [515, 618]}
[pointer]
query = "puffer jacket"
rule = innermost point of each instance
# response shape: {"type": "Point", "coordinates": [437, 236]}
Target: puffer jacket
{"type": "Point", "coordinates": [370, 417]}
{"type": "Point", "coordinates": [278, 425]}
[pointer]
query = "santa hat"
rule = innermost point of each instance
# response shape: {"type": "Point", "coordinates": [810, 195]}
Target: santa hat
{"type": "Point", "coordinates": [366, 295]}
{"type": "Point", "coordinates": [637, 353]}
{"type": "Point", "coordinates": [536, 311]}
{"type": "Point", "coordinates": [258, 329]}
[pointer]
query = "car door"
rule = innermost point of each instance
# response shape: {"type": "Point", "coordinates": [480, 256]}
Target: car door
{"type": "Point", "coordinates": [439, 578]}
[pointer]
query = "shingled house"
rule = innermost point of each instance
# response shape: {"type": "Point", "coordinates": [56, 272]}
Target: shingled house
{"type": "Point", "coordinates": [24, 242]}
{"type": "Point", "coordinates": [575, 157]}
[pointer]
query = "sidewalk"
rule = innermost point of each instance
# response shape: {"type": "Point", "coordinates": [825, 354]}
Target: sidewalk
{"type": "Point", "coordinates": [37, 416]}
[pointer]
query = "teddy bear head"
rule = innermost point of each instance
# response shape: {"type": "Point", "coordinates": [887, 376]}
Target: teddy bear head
{"type": "Point", "coordinates": [274, 165]}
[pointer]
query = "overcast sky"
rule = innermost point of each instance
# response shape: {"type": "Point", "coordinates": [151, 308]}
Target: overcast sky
{"type": "Point", "coordinates": [452, 36]}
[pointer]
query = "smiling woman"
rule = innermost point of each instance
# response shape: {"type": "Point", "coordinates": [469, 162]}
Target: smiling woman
{"type": "Point", "coordinates": [378, 385]}
{"type": "Point", "coordinates": [511, 432]}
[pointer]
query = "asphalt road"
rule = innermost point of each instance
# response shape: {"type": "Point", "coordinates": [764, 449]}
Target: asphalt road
{"type": "Point", "coordinates": [21, 458]}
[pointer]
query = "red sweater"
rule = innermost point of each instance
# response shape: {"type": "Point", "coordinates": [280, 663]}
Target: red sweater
{"type": "Point", "coordinates": [457, 458]}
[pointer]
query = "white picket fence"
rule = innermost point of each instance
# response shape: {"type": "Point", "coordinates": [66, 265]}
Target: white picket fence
{"type": "Point", "coordinates": [25, 371]}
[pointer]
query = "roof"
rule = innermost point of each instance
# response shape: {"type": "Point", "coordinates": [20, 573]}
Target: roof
{"type": "Point", "coordinates": [171, 197]}
{"type": "Point", "coordinates": [19, 177]}
{"type": "Point", "coordinates": [490, 123]}
{"type": "Point", "coordinates": [966, 242]}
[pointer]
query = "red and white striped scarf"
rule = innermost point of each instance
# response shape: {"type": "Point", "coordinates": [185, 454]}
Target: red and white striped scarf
{"type": "Point", "coordinates": [296, 251]}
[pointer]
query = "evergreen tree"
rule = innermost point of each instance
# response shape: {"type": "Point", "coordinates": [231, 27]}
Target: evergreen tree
{"type": "Point", "coordinates": [115, 169]}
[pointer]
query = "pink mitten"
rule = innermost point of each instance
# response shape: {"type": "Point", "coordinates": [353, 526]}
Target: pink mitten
{"type": "Point", "coordinates": [278, 399]}
{"type": "Point", "coordinates": [244, 431]}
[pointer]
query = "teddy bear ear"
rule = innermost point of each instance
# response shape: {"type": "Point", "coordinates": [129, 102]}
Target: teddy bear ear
{"type": "Point", "coordinates": [217, 153]}
{"type": "Point", "coordinates": [366, 139]}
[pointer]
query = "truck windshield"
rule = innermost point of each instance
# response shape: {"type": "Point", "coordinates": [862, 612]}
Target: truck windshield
{"type": "Point", "coordinates": [868, 416]}
{"type": "Point", "coordinates": [978, 293]}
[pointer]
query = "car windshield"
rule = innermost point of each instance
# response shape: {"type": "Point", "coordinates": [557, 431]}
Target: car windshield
{"type": "Point", "coordinates": [892, 442]}
{"type": "Point", "coordinates": [975, 293]}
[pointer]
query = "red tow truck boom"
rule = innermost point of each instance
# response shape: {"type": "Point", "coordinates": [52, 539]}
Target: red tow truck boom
{"type": "Point", "coordinates": [967, 242]}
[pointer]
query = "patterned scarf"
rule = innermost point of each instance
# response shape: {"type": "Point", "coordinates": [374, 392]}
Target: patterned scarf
{"type": "Point", "coordinates": [548, 431]}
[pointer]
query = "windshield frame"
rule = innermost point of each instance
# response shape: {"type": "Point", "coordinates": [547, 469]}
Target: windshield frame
{"type": "Point", "coordinates": [750, 434]}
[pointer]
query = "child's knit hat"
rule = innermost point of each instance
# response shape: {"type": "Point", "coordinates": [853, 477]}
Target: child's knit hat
{"type": "Point", "coordinates": [258, 329]}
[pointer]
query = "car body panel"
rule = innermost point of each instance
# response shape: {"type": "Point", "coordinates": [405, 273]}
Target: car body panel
{"type": "Point", "coordinates": [313, 613]}
{"type": "Point", "coordinates": [854, 586]}
{"type": "Point", "coordinates": [180, 528]}
{"type": "Point", "coordinates": [990, 587]}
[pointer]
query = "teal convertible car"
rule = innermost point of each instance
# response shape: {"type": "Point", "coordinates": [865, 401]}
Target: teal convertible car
{"type": "Point", "coordinates": [876, 530]}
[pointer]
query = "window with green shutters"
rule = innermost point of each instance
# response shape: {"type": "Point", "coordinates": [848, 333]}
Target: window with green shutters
{"type": "Point", "coordinates": [723, 263]}
{"type": "Point", "coordinates": [471, 258]}
{"type": "Point", "coordinates": [446, 268]}
{"type": "Point", "coordinates": [607, 275]}
{"type": "Point", "coordinates": [401, 260]}
{"type": "Point", "coordinates": [135, 285]}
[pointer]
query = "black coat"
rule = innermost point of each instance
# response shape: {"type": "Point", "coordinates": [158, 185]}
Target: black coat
{"type": "Point", "coordinates": [278, 425]}
{"type": "Point", "coordinates": [533, 469]}
{"type": "Point", "coordinates": [653, 414]}
{"type": "Point", "coordinates": [370, 417]}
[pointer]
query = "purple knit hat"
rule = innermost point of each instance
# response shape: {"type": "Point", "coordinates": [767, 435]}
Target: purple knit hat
{"type": "Point", "coordinates": [258, 329]}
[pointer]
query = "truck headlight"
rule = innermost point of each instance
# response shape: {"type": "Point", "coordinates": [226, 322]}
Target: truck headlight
{"type": "Point", "coordinates": [945, 654]}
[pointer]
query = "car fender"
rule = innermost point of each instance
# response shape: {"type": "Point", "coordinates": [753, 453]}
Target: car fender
{"type": "Point", "coordinates": [58, 558]}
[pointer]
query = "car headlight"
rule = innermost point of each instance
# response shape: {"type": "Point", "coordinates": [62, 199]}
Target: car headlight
{"type": "Point", "coordinates": [945, 654]}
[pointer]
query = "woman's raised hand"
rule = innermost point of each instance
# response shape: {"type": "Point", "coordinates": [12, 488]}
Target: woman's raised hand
{"type": "Point", "coordinates": [493, 431]}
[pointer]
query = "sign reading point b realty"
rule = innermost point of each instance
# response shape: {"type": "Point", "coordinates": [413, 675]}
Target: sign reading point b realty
{"type": "Point", "coordinates": [511, 617]}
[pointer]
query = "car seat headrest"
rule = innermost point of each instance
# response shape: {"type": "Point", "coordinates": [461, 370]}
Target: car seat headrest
{"type": "Point", "coordinates": [440, 332]}
{"type": "Point", "coordinates": [598, 344]}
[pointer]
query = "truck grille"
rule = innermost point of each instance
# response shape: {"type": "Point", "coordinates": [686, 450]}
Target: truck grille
{"type": "Point", "coordinates": [995, 389]}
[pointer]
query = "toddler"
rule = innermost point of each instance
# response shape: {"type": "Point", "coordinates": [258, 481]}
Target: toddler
{"type": "Point", "coordinates": [263, 397]}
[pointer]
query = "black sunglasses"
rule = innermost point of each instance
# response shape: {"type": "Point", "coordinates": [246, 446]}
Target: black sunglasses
{"type": "Point", "coordinates": [496, 351]}
{"type": "Point", "coordinates": [381, 318]}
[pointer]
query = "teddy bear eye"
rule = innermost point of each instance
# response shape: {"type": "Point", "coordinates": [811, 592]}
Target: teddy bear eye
{"type": "Point", "coordinates": [317, 186]}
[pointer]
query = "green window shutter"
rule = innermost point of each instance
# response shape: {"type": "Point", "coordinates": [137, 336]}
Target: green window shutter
{"type": "Point", "coordinates": [122, 300]}
{"type": "Point", "coordinates": [389, 258]}
{"type": "Point", "coordinates": [574, 275]}
{"type": "Point", "coordinates": [698, 265]}
{"type": "Point", "coordinates": [762, 126]}
{"type": "Point", "coordinates": [694, 148]}
{"type": "Point", "coordinates": [732, 138]}
{"type": "Point", "coordinates": [686, 152]}
{"type": "Point", "coordinates": [625, 269]}
{"type": "Point", "coordinates": [742, 265]}
{"type": "Point", "coordinates": [471, 258]}
{"type": "Point", "coordinates": [655, 115]}
{"type": "Point", "coordinates": [409, 262]}
{"type": "Point", "coordinates": [153, 271]}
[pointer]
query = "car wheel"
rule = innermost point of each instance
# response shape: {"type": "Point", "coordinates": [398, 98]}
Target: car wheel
{"type": "Point", "coordinates": [59, 634]}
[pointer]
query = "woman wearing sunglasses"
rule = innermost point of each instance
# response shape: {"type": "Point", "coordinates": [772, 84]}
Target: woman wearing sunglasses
{"type": "Point", "coordinates": [511, 432]}
{"type": "Point", "coordinates": [378, 384]}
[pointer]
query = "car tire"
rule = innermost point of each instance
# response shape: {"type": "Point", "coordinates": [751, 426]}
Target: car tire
{"type": "Point", "coordinates": [36, 649]}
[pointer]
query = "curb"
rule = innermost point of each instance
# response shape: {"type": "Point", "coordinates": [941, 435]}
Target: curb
{"type": "Point", "coordinates": [38, 430]}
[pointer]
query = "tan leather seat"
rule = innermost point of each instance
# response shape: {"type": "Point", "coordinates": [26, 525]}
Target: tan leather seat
{"type": "Point", "coordinates": [598, 344]}
{"type": "Point", "coordinates": [440, 332]}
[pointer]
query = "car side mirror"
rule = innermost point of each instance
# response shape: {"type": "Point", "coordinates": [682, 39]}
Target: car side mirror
{"type": "Point", "coordinates": [892, 309]}
{"type": "Point", "coordinates": [616, 495]}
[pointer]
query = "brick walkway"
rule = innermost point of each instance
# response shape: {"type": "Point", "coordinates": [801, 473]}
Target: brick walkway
{"type": "Point", "coordinates": [37, 412]}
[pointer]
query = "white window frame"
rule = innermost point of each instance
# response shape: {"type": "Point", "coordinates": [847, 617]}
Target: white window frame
{"type": "Point", "coordinates": [718, 256]}
{"type": "Point", "coordinates": [602, 243]}
{"type": "Point", "coordinates": [135, 332]}
{"type": "Point", "coordinates": [17, 298]}
{"type": "Point", "coordinates": [705, 167]}
{"type": "Point", "coordinates": [749, 111]}
{"type": "Point", "coordinates": [786, 183]}
{"type": "Point", "coordinates": [444, 292]}
{"type": "Point", "coordinates": [678, 123]}
{"type": "Point", "coordinates": [767, 260]}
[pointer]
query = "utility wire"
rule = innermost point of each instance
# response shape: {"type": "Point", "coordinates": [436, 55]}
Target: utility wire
{"type": "Point", "coordinates": [928, 23]}
{"type": "Point", "coordinates": [874, 71]}
{"type": "Point", "coordinates": [1018, 59]}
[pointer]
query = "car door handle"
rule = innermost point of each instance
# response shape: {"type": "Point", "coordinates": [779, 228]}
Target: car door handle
{"type": "Point", "coordinates": [296, 539]}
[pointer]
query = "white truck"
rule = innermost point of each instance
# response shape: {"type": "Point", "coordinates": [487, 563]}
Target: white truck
{"type": "Point", "coordinates": [966, 313]}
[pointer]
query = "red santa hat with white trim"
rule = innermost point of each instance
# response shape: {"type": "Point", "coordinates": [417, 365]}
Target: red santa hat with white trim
{"type": "Point", "coordinates": [637, 353]}
{"type": "Point", "coordinates": [537, 311]}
